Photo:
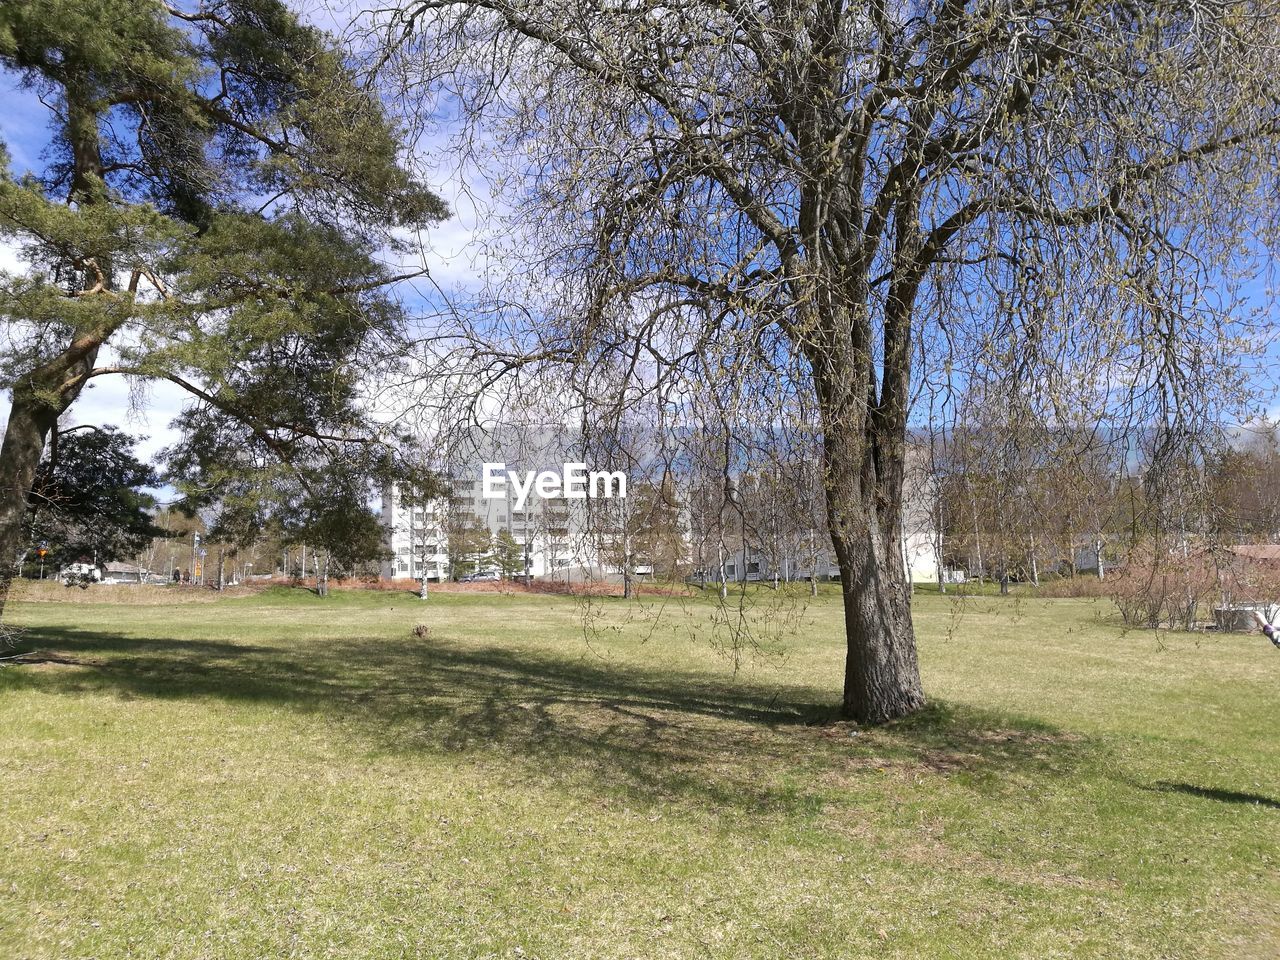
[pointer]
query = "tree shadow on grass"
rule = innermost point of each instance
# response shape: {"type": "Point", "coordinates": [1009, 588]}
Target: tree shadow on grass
{"type": "Point", "coordinates": [1213, 793]}
{"type": "Point", "coordinates": [654, 736]}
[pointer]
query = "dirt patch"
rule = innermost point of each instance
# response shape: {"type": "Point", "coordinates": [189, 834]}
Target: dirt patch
{"type": "Point", "coordinates": [1023, 737]}
{"type": "Point", "coordinates": [126, 594]}
{"type": "Point", "coordinates": [145, 594]}
{"type": "Point", "coordinates": [1256, 932]}
{"type": "Point", "coordinates": [48, 658]}
{"type": "Point", "coordinates": [555, 587]}
{"type": "Point", "coordinates": [884, 751]}
{"type": "Point", "coordinates": [924, 763]}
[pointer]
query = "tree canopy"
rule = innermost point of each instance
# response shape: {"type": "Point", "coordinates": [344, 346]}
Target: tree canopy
{"type": "Point", "coordinates": [89, 500]}
{"type": "Point", "coordinates": [863, 208]}
{"type": "Point", "coordinates": [219, 204]}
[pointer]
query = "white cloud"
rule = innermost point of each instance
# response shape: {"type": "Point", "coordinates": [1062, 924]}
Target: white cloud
{"type": "Point", "coordinates": [10, 258]}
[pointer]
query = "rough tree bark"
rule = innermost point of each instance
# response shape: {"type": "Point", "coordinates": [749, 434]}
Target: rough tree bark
{"type": "Point", "coordinates": [42, 396]}
{"type": "Point", "coordinates": [30, 422]}
{"type": "Point", "coordinates": [882, 674]}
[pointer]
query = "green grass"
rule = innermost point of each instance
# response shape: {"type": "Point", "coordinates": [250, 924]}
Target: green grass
{"type": "Point", "coordinates": [281, 776]}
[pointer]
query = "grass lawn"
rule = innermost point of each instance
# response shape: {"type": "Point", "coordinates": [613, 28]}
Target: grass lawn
{"type": "Point", "coordinates": [284, 776]}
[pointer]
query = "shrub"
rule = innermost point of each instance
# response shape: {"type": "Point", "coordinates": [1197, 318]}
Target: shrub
{"type": "Point", "coordinates": [1084, 585]}
{"type": "Point", "coordinates": [1159, 587]}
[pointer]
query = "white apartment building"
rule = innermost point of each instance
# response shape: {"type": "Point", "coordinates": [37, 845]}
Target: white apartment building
{"type": "Point", "coordinates": [552, 531]}
{"type": "Point", "coordinates": [416, 536]}
{"type": "Point", "coordinates": [582, 539]}
{"type": "Point", "coordinates": [794, 560]}
{"type": "Point", "coordinates": [792, 549]}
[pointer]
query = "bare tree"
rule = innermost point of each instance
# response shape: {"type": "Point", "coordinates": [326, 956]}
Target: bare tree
{"type": "Point", "coordinates": [856, 197]}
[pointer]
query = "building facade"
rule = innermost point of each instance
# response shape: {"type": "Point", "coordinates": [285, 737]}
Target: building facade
{"type": "Point", "coordinates": [437, 536]}
{"type": "Point", "coordinates": [757, 526]}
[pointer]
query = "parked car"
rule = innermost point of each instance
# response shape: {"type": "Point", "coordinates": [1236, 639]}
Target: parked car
{"type": "Point", "coordinates": [483, 576]}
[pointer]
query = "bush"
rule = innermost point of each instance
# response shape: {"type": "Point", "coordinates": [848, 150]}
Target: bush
{"type": "Point", "coordinates": [1084, 585]}
{"type": "Point", "coordinates": [1159, 587]}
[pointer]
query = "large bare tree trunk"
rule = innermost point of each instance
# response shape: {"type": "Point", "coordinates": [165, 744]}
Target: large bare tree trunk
{"type": "Point", "coordinates": [882, 674]}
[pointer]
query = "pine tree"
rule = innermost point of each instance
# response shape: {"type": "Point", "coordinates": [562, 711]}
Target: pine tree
{"type": "Point", "coordinates": [217, 192]}
{"type": "Point", "coordinates": [89, 502]}
{"type": "Point", "coordinates": [509, 555]}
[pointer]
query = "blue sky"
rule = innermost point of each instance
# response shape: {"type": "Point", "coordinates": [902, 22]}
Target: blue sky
{"type": "Point", "coordinates": [452, 253]}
